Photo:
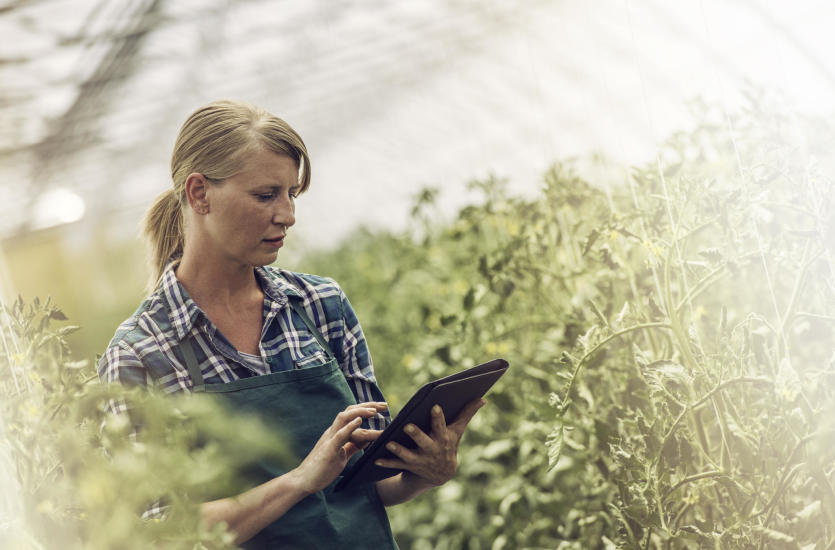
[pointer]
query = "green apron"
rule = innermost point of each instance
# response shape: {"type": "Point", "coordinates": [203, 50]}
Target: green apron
{"type": "Point", "coordinates": [302, 403]}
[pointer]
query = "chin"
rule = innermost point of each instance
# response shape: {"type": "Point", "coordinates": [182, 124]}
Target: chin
{"type": "Point", "coordinates": [261, 261]}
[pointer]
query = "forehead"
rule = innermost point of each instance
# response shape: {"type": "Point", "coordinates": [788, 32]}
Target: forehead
{"type": "Point", "coordinates": [264, 167]}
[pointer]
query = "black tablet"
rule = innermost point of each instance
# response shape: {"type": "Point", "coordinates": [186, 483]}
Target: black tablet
{"type": "Point", "coordinates": [452, 393]}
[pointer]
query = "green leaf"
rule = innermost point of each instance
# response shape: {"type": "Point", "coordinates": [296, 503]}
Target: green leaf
{"type": "Point", "coordinates": [67, 330]}
{"type": "Point", "coordinates": [554, 444]}
{"type": "Point", "coordinates": [590, 240]}
{"type": "Point", "coordinates": [57, 315]}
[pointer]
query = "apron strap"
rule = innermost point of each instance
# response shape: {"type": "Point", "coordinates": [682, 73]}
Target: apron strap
{"type": "Point", "coordinates": [312, 328]}
{"type": "Point", "coordinates": [193, 367]}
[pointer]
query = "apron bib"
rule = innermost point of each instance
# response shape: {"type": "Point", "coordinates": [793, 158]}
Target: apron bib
{"type": "Point", "coordinates": [302, 404]}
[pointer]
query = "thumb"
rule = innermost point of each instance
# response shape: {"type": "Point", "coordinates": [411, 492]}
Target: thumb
{"type": "Point", "coordinates": [349, 449]}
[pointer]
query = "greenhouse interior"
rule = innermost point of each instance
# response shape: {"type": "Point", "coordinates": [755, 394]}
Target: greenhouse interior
{"type": "Point", "coordinates": [632, 202]}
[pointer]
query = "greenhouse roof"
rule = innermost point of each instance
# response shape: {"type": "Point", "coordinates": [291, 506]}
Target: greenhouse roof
{"type": "Point", "coordinates": [389, 96]}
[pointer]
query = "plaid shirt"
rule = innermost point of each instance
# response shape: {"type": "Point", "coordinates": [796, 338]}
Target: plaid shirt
{"type": "Point", "coordinates": [145, 349]}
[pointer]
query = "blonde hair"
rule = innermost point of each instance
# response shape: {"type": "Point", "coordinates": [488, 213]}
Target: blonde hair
{"type": "Point", "coordinates": [214, 141]}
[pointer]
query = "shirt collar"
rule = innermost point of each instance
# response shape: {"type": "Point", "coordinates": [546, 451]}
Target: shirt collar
{"type": "Point", "coordinates": [275, 288]}
{"type": "Point", "coordinates": [183, 312]}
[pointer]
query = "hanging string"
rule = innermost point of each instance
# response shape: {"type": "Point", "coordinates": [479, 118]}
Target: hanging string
{"type": "Point", "coordinates": [12, 351]}
{"type": "Point", "coordinates": [738, 158]}
{"type": "Point", "coordinates": [623, 165]}
{"type": "Point", "coordinates": [622, 151]}
{"type": "Point", "coordinates": [4, 324]}
{"type": "Point", "coordinates": [601, 160]}
{"type": "Point", "coordinates": [668, 203]}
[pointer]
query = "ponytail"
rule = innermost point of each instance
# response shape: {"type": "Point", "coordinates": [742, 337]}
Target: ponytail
{"type": "Point", "coordinates": [163, 227]}
{"type": "Point", "coordinates": [214, 141]}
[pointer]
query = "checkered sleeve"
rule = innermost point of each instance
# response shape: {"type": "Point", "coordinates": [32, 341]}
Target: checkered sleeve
{"type": "Point", "coordinates": [357, 363]}
{"type": "Point", "coordinates": [119, 364]}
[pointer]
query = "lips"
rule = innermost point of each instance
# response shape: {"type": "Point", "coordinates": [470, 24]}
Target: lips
{"type": "Point", "coordinates": [277, 241]}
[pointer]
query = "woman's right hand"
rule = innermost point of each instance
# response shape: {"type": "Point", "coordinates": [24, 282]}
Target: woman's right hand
{"type": "Point", "coordinates": [340, 441]}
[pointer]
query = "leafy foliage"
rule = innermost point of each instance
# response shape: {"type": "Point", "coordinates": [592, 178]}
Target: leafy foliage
{"type": "Point", "coordinates": [672, 370]}
{"type": "Point", "coordinates": [671, 348]}
{"type": "Point", "coordinates": [84, 476]}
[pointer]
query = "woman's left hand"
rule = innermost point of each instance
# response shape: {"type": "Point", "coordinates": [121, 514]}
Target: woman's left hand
{"type": "Point", "coordinates": [436, 458]}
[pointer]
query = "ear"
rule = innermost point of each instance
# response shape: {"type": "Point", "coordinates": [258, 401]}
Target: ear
{"type": "Point", "coordinates": [196, 188]}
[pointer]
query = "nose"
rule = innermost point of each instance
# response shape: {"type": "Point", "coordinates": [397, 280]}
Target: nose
{"type": "Point", "coordinates": [284, 212]}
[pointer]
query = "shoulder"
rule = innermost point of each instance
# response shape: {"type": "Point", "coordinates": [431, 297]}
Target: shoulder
{"type": "Point", "coordinates": [151, 316]}
{"type": "Point", "coordinates": [136, 339]}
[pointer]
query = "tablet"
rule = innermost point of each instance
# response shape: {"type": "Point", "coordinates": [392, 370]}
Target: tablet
{"type": "Point", "coordinates": [452, 393]}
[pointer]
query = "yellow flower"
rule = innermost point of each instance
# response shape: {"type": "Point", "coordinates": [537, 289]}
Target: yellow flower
{"type": "Point", "coordinates": [31, 410]}
{"type": "Point", "coordinates": [788, 394]}
{"type": "Point", "coordinates": [652, 247]}
{"type": "Point", "coordinates": [691, 498]}
{"type": "Point", "coordinates": [409, 360]}
{"type": "Point", "coordinates": [513, 228]}
{"type": "Point", "coordinates": [494, 348]}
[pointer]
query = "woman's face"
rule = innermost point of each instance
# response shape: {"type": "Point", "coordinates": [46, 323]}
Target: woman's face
{"type": "Point", "coordinates": [249, 213]}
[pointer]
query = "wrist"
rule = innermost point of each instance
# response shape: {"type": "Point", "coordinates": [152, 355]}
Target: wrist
{"type": "Point", "coordinates": [415, 482]}
{"type": "Point", "coordinates": [296, 483]}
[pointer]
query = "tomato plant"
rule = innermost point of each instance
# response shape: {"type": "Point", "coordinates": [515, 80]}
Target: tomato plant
{"type": "Point", "coordinates": [670, 334]}
{"type": "Point", "coordinates": [671, 344]}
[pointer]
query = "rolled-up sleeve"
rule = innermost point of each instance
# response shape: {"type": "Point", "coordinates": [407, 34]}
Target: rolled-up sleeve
{"type": "Point", "coordinates": [120, 365]}
{"type": "Point", "coordinates": [357, 365]}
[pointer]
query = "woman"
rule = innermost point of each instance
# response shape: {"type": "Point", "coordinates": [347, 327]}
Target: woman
{"type": "Point", "coordinates": [285, 345]}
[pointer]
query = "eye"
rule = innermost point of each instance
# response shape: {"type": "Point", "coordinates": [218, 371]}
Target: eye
{"type": "Point", "coordinates": [265, 197]}
{"type": "Point", "coordinates": [294, 193]}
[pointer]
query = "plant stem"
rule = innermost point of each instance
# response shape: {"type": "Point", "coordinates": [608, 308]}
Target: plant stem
{"type": "Point", "coordinates": [731, 382]}
{"type": "Point", "coordinates": [703, 283]}
{"type": "Point", "coordinates": [806, 263]}
{"type": "Point", "coordinates": [700, 402]}
{"type": "Point", "coordinates": [695, 477]}
{"type": "Point", "coordinates": [602, 343]}
{"type": "Point", "coordinates": [783, 479]}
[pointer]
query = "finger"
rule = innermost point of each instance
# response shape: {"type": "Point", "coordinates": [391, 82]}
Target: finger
{"type": "Point", "coordinates": [365, 406]}
{"type": "Point", "coordinates": [350, 448]}
{"type": "Point", "coordinates": [438, 420]}
{"type": "Point", "coordinates": [419, 436]}
{"type": "Point", "coordinates": [351, 413]}
{"type": "Point", "coordinates": [343, 435]}
{"type": "Point", "coordinates": [401, 452]}
{"type": "Point", "coordinates": [378, 405]}
{"type": "Point", "coordinates": [467, 414]}
{"type": "Point", "coordinates": [366, 435]}
{"type": "Point", "coordinates": [391, 463]}
{"type": "Point", "coordinates": [363, 437]}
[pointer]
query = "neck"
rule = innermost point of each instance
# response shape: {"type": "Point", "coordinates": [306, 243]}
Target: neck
{"type": "Point", "coordinates": [212, 283]}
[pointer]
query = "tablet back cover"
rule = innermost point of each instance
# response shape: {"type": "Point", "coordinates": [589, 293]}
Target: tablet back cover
{"type": "Point", "coordinates": [452, 393]}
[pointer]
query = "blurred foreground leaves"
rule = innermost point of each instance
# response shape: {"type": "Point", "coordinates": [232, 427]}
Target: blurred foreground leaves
{"type": "Point", "coordinates": [81, 477]}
